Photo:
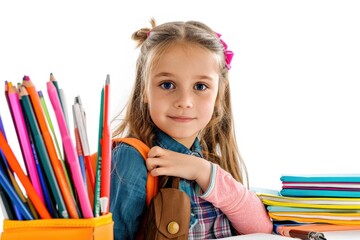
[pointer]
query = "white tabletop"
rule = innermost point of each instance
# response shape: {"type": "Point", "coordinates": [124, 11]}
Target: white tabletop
{"type": "Point", "coordinates": [336, 235]}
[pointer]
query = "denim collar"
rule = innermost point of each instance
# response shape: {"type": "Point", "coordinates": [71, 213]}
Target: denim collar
{"type": "Point", "coordinates": [165, 141]}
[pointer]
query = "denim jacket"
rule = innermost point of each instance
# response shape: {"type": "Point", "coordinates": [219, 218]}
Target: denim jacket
{"type": "Point", "coordinates": [127, 202]}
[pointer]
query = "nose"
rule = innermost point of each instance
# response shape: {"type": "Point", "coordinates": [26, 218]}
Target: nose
{"type": "Point", "coordinates": [184, 100]}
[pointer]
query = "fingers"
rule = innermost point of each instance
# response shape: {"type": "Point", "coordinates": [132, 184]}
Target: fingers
{"type": "Point", "coordinates": [155, 152]}
{"type": "Point", "coordinates": [152, 162]}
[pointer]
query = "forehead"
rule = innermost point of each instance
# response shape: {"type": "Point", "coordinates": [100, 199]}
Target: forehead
{"type": "Point", "coordinates": [184, 54]}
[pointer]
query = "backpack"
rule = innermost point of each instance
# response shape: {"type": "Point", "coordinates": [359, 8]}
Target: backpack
{"type": "Point", "coordinates": [168, 208]}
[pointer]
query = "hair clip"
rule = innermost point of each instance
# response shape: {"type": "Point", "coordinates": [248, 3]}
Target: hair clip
{"type": "Point", "coordinates": [228, 54]}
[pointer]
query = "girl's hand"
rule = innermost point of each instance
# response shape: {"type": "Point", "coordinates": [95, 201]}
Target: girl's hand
{"type": "Point", "coordinates": [165, 162]}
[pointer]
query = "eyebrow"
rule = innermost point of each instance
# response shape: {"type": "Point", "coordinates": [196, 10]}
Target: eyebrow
{"type": "Point", "coordinates": [166, 74]}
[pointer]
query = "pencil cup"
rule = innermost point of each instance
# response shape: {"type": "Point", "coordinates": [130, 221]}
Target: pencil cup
{"type": "Point", "coordinates": [99, 228]}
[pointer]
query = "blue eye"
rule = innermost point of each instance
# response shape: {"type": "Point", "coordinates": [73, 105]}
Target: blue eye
{"type": "Point", "coordinates": [200, 87]}
{"type": "Point", "coordinates": [167, 85]}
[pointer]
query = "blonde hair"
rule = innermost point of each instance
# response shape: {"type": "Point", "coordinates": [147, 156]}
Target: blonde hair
{"type": "Point", "coordinates": [217, 139]}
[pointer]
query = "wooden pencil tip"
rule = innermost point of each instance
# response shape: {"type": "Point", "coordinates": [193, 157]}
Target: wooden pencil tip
{"type": "Point", "coordinates": [107, 79]}
{"type": "Point", "coordinates": [52, 77]}
{"type": "Point", "coordinates": [22, 90]}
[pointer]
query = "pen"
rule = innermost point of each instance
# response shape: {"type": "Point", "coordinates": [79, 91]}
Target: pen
{"type": "Point", "coordinates": [306, 235]}
{"type": "Point", "coordinates": [81, 123]}
{"type": "Point", "coordinates": [78, 147]}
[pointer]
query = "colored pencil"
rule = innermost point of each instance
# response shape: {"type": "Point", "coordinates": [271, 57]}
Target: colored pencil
{"type": "Point", "coordinates": [5, 164]}
{"type": "Point", "coordinates": [62, 98]}
{"type": "Point", "coordinates": [5, 203]}
{"type": "Point", "coordinates": [106, 152]}
{"type": "Point", "coordinates": [66, 196]}
{"type": "Point", "coordinates": [70, 152]}
{"type": "Point", "coordinates": [53, 80]}
{"type": "Point", "coordinates": [15, 166]}
{"type": "Point", "coordinates": [48, 118]}
{"type": "Point", "coordinates": [8, 187]}
{"type": "Point", "coordinates": [99, 158]}
{"type": "Point", "coordinates": [41, 150]}
{"type": "Point", "coordinates": [8, 209]}
{"type": "Point", "coordinates": [44, 186]}
{"type": "Point", "coordinates": [23, 138]}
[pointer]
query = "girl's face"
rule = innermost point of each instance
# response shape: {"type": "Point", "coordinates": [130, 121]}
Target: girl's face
{"type": "Point", "coordinates": [182, 90]}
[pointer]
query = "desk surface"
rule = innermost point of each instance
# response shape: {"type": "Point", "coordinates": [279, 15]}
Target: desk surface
{"type": "Point", "coordinates": [337, 235]}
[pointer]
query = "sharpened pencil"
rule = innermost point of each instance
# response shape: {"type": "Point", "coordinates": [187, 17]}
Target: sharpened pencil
{"type": "Point", "coordinates": [62, 183]}
{"type": "Point", "coordinates": [43, 155]}
{"type": "Point", "coordinates": [106, 153]}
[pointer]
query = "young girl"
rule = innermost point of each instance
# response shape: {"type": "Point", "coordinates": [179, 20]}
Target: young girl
{"type": "Point", "coordinates": [180, 107]}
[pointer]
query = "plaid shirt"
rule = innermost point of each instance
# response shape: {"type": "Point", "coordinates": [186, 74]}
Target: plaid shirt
{"type": "Point", "coordinates": [207, 221]}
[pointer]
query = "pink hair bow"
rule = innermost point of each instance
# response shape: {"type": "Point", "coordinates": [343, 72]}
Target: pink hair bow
{"type": "Point", "coordinates": [228, 54]}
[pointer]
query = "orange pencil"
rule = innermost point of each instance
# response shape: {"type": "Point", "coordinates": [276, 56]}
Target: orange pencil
{"type": "Point", "coordinates": [15, 167]}
{"type": "Point", "coordinates": [106, 154]}
{"type": "Point", "coordinates": [57, 167]}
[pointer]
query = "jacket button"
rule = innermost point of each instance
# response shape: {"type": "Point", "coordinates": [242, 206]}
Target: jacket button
{"type": "Point", "coordinates": [173, 227]}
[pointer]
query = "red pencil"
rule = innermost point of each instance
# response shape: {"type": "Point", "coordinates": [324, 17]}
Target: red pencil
{"type": "Point", "coordinates": [106, 153]}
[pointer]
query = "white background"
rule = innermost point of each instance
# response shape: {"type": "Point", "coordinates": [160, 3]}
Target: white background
{"type": "Point", "coordinates": [294, 78]}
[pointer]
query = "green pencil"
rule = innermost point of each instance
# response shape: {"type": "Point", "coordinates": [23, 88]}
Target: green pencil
{"type": "Point", "coordinates": [47, 115]}
{"type": "Point", "coordinates": [98, 163]}
{"type": "Point", "coordinates": [43, 155]}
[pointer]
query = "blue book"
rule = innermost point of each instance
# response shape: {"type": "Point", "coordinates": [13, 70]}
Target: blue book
{"type": "Point", "coordinates": [321, 178]}
{"type": "Point", "coordinates": [319, 193]}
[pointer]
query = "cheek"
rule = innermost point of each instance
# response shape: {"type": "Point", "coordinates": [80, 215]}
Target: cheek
{"type": "Point", "coordinates": [207, 109]}
{"type": "Point", "coordinates": [155, 107]}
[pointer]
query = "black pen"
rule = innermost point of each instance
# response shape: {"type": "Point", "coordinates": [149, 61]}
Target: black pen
{"type": "Point", "coordinates": [306, 235]}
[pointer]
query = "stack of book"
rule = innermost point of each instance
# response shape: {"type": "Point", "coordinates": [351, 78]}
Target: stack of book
{"type": "Point", "coordinates": [314, 202]}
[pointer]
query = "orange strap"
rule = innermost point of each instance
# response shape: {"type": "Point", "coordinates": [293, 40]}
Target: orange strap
{"type": "Point", "coordinates": [143, 149]}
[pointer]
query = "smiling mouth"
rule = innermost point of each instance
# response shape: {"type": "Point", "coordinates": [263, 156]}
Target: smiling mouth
{"type": "Point", "coordinates": [181, 119]}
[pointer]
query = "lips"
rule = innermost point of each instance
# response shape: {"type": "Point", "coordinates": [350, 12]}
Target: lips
{"type": "Point", "coordinates": [181, 118]}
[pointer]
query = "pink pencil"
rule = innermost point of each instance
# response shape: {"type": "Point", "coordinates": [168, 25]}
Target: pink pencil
{"type": "Point", "coordinates": [23, 137]}
{"type": "Point", "coordinates": [70, 152]}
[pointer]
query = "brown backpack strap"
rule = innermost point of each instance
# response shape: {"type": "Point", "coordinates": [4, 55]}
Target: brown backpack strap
{"type": "Point", "coordinates": [152, 182]}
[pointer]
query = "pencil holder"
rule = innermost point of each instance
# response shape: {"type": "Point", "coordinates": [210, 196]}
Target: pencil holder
{"type": "Point", "coordinates": [100, 228]}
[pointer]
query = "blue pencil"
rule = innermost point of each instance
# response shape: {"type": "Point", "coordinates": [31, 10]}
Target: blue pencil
{"type": "Point", "coordinates": [6, 184]}
{"type": "Point", "coordinates": [42, 179]}
{"type": "Point", "coordinates": [7, 172]}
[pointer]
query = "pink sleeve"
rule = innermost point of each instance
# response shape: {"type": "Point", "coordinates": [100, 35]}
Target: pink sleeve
{"type": "Point", "coordinates": [243, 208]}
